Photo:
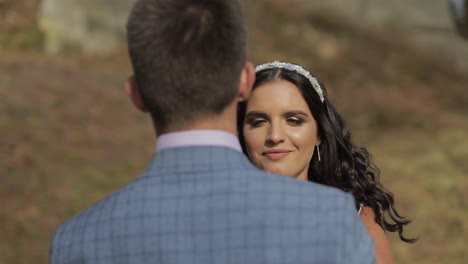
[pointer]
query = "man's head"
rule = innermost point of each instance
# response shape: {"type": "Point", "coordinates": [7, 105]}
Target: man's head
{"type": "Point", "coordinates": [188, 57]}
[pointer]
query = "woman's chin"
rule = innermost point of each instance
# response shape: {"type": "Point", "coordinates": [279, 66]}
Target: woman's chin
{"type": "Point", "coordinates": [278, 171]}
{"type": "Point", "coordinates": [284, 173]}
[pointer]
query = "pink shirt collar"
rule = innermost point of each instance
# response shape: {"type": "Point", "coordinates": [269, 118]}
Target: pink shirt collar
{"type": "Point", "coordinates": [198, 138]}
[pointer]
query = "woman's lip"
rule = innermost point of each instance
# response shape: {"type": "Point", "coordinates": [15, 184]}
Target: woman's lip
{"type": "Point", "coordinates": [276, 154]}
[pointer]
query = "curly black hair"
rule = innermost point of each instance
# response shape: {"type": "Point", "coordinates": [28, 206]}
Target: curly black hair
{"type": "Point", "coordinates": [343, 164]}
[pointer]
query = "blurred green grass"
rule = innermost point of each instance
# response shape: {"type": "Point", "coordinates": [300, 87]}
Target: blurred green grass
{"type": "Point", "coordinates": [69, 136]}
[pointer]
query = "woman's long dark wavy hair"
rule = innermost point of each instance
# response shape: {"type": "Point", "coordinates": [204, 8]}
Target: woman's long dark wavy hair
{"type": "Point", "coordinates": [343, 164]}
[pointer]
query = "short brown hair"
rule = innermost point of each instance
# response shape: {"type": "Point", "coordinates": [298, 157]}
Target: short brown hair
{"type": "Point", "coordinates": [187, 56]}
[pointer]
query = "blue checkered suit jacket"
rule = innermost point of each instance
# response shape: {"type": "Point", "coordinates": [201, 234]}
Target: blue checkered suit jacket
{"type": "Point", "coordinates": [211, 205]}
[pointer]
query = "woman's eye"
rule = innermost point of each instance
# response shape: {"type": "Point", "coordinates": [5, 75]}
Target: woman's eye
{"type": "Point", "coordinates": [256, 122]}
{"type": "Point", "coordinates": [294, 121]}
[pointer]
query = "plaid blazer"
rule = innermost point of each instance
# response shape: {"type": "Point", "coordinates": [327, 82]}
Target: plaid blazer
{"type": "Point", "coordinates": [211, 205]}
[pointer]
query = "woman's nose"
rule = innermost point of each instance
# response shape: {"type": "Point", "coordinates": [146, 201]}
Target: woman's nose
{"type": "Point", "coordinates": [275, 134]}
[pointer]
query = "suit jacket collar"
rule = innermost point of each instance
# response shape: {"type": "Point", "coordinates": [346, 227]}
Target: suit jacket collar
{"type": "Point", "coordinates": [198, 138]}
{"type": "Point", "coordinates": [196, 159]}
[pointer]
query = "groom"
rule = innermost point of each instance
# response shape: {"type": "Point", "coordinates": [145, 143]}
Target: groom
{"type": "Point", "coordinates": [200, 200]}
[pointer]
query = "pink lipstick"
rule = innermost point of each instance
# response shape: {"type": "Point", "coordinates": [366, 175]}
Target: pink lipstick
{"type": "Point", "coordinates": [276, 154]}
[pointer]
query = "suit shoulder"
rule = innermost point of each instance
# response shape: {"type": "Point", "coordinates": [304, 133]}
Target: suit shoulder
{"type": "Point", "coordinates": [302, 187]}
{"type": "Point", "coordinates": [292, 193]}
{"type": "Point", "coordinates": [90, 215]}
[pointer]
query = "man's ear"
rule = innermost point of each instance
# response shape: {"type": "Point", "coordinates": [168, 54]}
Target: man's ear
{"type": "Point", "coordinates": [247, 79]}
{"type": "Point", "coordinates": [132, 91]}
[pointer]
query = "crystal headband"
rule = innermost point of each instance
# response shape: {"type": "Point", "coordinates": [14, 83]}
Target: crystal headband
{"type": "Point", "coordinates": [295, 68]}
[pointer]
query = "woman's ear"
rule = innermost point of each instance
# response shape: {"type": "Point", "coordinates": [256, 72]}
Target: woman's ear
{"type": "Point", "coordinates": [247, 79]}
{"type": "Point", "coordinates": [133, 93]}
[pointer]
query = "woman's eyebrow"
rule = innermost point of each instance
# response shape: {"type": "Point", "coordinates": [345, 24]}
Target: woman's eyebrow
{"type": "Point", "coordinates": [253, 114]}
{"type": "Point", "coordinates": [295, 112]}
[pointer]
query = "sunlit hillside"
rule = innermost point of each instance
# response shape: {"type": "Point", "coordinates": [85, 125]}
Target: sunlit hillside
{"type": "Point", "coordinates": [69, 135]}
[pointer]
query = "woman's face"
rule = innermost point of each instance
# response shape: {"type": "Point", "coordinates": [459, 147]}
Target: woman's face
{"type": "Point", "coordinates": [279, 130]}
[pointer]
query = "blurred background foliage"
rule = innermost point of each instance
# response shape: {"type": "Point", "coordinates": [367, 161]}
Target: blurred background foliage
{"type": "Point", "coordinates": [69, 136]}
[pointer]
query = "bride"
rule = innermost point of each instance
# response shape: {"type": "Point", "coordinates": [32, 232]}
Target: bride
{"type": "Point", "coordinates": [289, 127]}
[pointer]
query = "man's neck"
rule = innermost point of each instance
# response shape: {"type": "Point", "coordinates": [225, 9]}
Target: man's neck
{"type": "Point", "coordinates": [205, 125]}
{"type": "Point", "coordinates": [225, 123]}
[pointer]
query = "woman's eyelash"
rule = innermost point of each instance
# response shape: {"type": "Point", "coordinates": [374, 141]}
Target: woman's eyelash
{"type": "Point", "coordinates": [259, 121]}
{"type": "Point", "coordinates": [295, 120]}
{"type": "Point", "coordinates": [255, 122]}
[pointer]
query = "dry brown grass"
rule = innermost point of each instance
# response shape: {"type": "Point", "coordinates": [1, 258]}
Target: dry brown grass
{"type": "Point", "coordinates": [69, 136]}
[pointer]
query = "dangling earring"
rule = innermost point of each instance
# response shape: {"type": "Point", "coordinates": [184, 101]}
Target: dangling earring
{"type": "Point", "coordinates": [318, 152]}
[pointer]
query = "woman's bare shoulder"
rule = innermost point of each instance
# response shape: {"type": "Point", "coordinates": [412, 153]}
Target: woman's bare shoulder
{"type": "Point", "coordinates": [383, 250]}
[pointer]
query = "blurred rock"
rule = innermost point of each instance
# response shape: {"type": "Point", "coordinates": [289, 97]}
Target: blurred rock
{"type": "Point", "coordinates": [428, 22]}
{"type": "Point", "coordinates": [89, 26]}
{"type": "Point", "coordinates": [459, 9]}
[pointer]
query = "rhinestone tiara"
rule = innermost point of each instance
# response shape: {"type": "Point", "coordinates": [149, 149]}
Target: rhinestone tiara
{"type": "Point", "coordinates": [295, 68]}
